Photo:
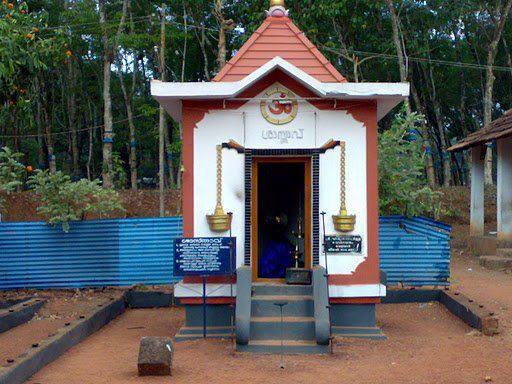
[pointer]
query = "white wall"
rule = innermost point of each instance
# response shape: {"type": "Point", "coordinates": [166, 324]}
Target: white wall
{"type": "Point", "coordinates": [310, 129]}
{"type": "Point", "coordinates": [340, 125]}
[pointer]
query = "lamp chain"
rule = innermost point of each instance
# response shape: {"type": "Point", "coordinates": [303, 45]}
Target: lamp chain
{"type": "Point", "coordinates": [219, 177]}
{"type": "Point", "coordinates": [343, 207]}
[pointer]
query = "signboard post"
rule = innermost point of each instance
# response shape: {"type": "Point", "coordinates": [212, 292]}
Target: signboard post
{"type": "Point", "coordinates": [204, 305]}
{"type": "Point", "coordinates": [204, 256]}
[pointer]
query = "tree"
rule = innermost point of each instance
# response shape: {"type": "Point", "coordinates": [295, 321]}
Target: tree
{"type": "Point", "coordinates": [109, 50]}
{"type": "Point", "coordinates": [27, 52]}
{"type": "Point", "coordinates": [162, 118]}
{"type": "Point", "coordinates": [224, 26]}
{"type": "Point", "coordinates": [11, 172]}
{"type": "Point", "coordinates": [498, 16]}
{"type": "Point", "coordinates": [128, 94]}
{"type": "Point", "coordinates": [404, 73]}
{"type": "Point", "coordinates": [62, 200]}
{"type": "Point", "coordinates": [60, 107]}
{"type": "Point", "coordinates": [402, 190]}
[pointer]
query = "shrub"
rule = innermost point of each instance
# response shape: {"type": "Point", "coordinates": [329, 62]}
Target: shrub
{"type": "Point", "coordinates": [63, 200]}
{"type": "Point", "coordinates": [403, 189]}
{"type": "Point", "coordinates": [11, 172]}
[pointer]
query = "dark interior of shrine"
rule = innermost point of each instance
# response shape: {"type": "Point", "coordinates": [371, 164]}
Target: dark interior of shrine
{"type": "Point", "coordinates": [280, 209]}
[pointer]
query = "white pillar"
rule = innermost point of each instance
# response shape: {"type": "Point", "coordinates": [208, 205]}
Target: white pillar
{"type": "Point", "coordinates": [504, 191]}
{"type": "Point", "coordinates": [477, 191]}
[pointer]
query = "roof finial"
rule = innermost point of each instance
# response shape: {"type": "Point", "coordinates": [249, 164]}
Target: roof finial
{"type": "Point", "coordinates": [277, 9]}
{"type": "Point", "coordinates": [276, 3]}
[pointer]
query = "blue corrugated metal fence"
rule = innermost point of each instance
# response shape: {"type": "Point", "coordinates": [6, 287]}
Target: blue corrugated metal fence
{"type": "Point", "coordinates": [92, 253]}
{"type": "Point", "coordinates": [130, 251]}
{"type": "Point", "coordinates": [414, 251]}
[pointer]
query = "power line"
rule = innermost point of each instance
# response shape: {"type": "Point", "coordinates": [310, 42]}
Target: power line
{"type": "Point", "coordinates": [66, 132]}
{"type": "Point", "coordinates": [137, 19]}
{"type": "Point", "coordinates": [96, 23]}
{"type": "Point", "coordinates": [458, 64]}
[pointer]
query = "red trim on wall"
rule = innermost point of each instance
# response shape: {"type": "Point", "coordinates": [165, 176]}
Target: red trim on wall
{"type": "Point", "coordinates": [355, 300]}
{"type": "Point", "coordinates": [191, 116]}
{"type": "Point", "coordinates": [209, 300]}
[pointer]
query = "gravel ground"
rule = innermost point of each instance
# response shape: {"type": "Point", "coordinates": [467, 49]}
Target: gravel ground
{"type": "Point", "coordinates": [426, 344]}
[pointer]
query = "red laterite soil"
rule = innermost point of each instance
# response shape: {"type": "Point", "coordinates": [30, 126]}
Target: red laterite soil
{"type": "Point", "coordinates": [426, 344]}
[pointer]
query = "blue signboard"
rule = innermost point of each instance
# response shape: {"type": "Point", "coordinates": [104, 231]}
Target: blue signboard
{"type": "Point", "coordinates": [204, 256]}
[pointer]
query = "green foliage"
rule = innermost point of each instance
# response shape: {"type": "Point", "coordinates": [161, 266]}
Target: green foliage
{"type": "Point", "coordinates": [118, 172]}
{"type": "Point", "coordinates": [40, 41]}
{"type": "Point", "coordinates": [11, 172]}
{"type": "Point", "coordinates": [403, 189]}
{"type": "Point", "coordinates": [25, 49]}
{"type": "Point", "coordinates": [63, 200]}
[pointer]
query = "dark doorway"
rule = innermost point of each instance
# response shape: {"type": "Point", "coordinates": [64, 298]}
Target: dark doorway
{"type": "Point", "coordinates": [281, 213]}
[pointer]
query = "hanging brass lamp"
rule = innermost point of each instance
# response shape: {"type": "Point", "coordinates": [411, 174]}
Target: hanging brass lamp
{"type": "Point", "coordinates": [219, 221]}
{"type": "Point", "coordinates": [343, 222]}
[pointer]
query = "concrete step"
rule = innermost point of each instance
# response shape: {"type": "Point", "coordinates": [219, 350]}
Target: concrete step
{"type": "Point", "coordinates": [358, 332]}
{"type": "Point", "coordinates": [504, 252]}
{"type": "Point", "coordinates": [290, 347]}
{"type": "Point", "coordinates": [194, 333]}
{"type": "Point", "coordinates": [179, 337]}
{"type": "Point", "coordinates": [281, 289]}
{"type": "Point", "coordinates": [496, 263]}
{"type": "Point", "coordinates": [294, 328]}
{"type": "Point", "coordinates": [264, 305]}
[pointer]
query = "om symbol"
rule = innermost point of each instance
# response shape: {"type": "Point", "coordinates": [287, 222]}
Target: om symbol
{"type": "Point", "coordinates": [279, 106]}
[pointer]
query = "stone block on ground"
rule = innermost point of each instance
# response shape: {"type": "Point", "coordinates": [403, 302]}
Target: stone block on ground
{"type": "Point", "coordinates": [155, 356]}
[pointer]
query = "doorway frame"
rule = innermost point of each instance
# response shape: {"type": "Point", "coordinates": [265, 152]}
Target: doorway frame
{"type": "Point", "coordinates": [256, 161]}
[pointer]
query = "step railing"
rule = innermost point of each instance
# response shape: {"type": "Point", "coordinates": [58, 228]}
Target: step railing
{"type": "Point", "coordinates": [321, 300]}
{"type": "Point", "coordinates": [243, 304]}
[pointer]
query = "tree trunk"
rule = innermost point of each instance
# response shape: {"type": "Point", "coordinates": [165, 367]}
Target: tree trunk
{"type": "Point", "coordinates": [161, 120]}
{"type": "Point", "coordinates": [40, 125]}
{"type": "Point", "coordinates": [92, 122]}
{"type": "Point", "coordinates": [168, 155]}
{"type": "Point", "coordinates": [507, 54]}
{"type": "Point", "coordinates": [107, 103]}
{"type": "Point", "coordinates": [202, 44]}
{"type": "Point", "coordinates": [131, 125]}
{"type": "Point", "coordinates": [404, 70]}
{"type": "Point", "coordinates": [224, 25]}
{"type": "Point", "coordinates": [400, 48]}
{"type": "Point", "coordinates": [71, 104]}
{"type": "Point", "coordinates": [49, 141]}
{"type": "Point", "coordinates": [430, 170]}
{"type": "Point", "coordinates": [502, 13]}
{"type": "Point", "coordinates": [108, 53]}
{"type": "Point", "coordinates": [71, 92]}
{"type": "Point", "coordinates": [52, 165]}
{"type": "Point", "coordinates": [185, 41]}
{"type": "Point", "coordinates": [133, 145]}
{"type": "Point", "coordinates": [447, 173]}
{"type": "Point", "coordinates": [465, 132]}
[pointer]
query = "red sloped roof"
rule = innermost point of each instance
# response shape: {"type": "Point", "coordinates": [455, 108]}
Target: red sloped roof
{"type": "Point", "coordinates": [278, 36]}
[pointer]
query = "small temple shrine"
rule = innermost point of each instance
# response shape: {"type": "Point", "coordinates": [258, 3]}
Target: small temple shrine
{"type": "Point", "coordinates": [280, 152]}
